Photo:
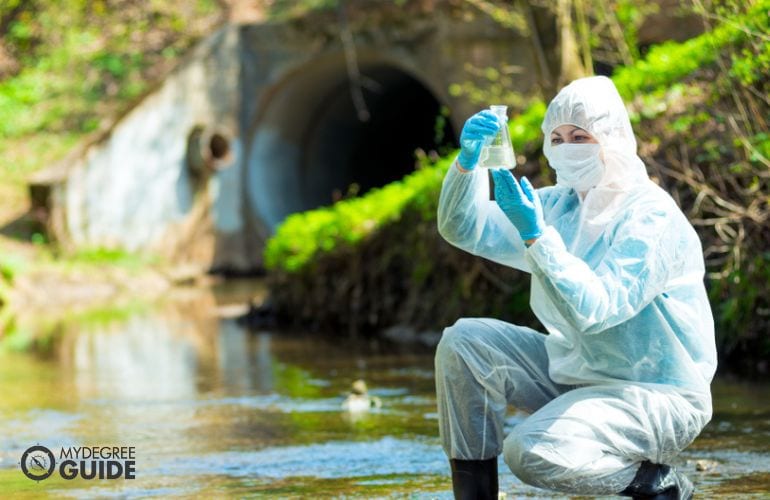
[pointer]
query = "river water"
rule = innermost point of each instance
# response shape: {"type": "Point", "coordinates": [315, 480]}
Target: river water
{"type": "Point", "coordinates": [215, 410]}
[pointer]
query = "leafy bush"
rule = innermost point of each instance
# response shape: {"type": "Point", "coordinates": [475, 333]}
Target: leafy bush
{"type": "Point", "coordinates": [303, 235]}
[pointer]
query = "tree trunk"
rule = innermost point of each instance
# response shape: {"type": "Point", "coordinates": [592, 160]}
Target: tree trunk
{"type": "Point", "coordinates": [571, 64]}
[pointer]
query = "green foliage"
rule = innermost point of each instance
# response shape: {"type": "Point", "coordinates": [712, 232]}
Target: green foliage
{"type": "Point", "coordinates": [630, 15]}
{"type": "Point", "coordinates": [738, 299]}
{"type": "Point", "coordinates": [684, 124]}
{"type": "Point", "coordinates": [287, 9]}
{"type": "Point", "coordinates": [508, 16]}
{"type": "Point", "coordinates": [525, 128]}
{"type": "Point", "coordinates": [760, 148]}
{"type": "Point", "coordinates": [751, 67]}
{"type": "Point", "coordinates": [109, 256]}
{"type": "Point", "coordinates": [669, 62]}
{"type": "Point", "coordinates": [82, 61]}
{"type": "Point", "coordinates": [304, 234]}
{"type": "Point", "coordinates": [281, 10]}
{"type": "Point", "coordinates": [12, 265]}
{"type": "Point", "coordinates": [490, 85]}
{"type": "Point", "coordinates": [440, 126]}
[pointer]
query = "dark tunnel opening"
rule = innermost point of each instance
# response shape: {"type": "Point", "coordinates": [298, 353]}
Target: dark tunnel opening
{"type": "Point", "coordinates": [310, 147]}
{"type": "Point", "coordinates": [345, 155]}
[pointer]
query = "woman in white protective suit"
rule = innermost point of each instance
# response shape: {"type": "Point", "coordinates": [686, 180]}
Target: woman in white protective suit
{"type": "Point", "coordinates": [621, 383]}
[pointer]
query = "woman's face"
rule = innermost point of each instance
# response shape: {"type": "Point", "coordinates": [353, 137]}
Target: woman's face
{"type": "Point", "coordinates": [571, 134]}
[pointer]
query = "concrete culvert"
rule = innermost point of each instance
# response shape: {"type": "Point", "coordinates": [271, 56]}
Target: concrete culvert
{"type": "Point", "coordinates": [310, 146]}
{"type": "Point", "coordinates": [208, 150]}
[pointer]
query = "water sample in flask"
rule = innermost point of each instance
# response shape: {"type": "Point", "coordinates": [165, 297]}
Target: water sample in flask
{"type": "Point", "coordinates": [498, 153]}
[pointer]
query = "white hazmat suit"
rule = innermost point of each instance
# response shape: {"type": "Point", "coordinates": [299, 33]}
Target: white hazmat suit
{"type": "Point", "coordinates": [624, 373]}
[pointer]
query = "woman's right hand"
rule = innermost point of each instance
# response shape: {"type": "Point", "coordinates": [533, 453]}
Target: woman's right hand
{"type": "Point", "coordinates": [477, 129]}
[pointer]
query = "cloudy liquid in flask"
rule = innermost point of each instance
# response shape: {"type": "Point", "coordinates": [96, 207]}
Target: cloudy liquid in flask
{"type": "Point", "coordinates": [498, 156]}
{"type": "Point", "coordinates": [498, 153]}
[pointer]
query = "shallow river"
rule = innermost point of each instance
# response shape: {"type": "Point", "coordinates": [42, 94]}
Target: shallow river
{"type": "Point", "coordinates": [215, 410]}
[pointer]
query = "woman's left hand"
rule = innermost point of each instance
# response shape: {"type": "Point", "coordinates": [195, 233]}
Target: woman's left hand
{"type": "Point", "coordinates": [520, 203]}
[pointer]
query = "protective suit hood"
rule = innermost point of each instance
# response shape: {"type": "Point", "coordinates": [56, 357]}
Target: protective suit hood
{"type": "Point", "coordinates": [594, 104]}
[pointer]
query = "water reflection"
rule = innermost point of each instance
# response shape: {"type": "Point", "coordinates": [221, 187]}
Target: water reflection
{"type": "Point", "coordinates": [245, 364]}
{"type": "Point", "coordinates": [233, 357]}
{"type": "Point", "coordinates": [141, 359]}
{"type": "Point", "coordinates": [216, 410]}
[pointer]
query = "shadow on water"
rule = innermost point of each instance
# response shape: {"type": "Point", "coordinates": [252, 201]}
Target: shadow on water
{"type": "Point", "coordinates": [215, 410]}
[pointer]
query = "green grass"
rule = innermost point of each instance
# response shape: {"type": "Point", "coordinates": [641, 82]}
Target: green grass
{"type": "Point", "coordinates": [112, 257]}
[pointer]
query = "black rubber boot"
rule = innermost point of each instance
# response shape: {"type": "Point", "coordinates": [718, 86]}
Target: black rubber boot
{"type": "Point", "coordinates": [474, 479]}
{"type": "Point", "coordinates": [659, 482]}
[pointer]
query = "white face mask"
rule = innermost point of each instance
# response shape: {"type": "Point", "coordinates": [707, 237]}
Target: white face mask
{"type": "Point", "coordinates": [577, 166]}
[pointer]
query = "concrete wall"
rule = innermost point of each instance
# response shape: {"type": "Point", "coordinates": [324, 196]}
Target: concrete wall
{"type": "Point", "coordinates": [132, 188]}
{"type": "Point", "coordinates": [282, 95]}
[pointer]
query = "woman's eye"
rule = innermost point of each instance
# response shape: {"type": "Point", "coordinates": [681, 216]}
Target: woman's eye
{"type": "Point", "coordinates": [580, 138]}
{"type": "Point", "coordinates": [556, 140]}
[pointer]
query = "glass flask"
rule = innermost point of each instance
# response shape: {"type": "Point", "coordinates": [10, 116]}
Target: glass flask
{"type": "Point", "coordinates": [498, 153]}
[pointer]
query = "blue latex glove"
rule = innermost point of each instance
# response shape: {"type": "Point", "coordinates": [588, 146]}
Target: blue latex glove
{"type": "Point", "coordinates": [478, 129]}
{"type": "Point", "coordinates": [520, 203]}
